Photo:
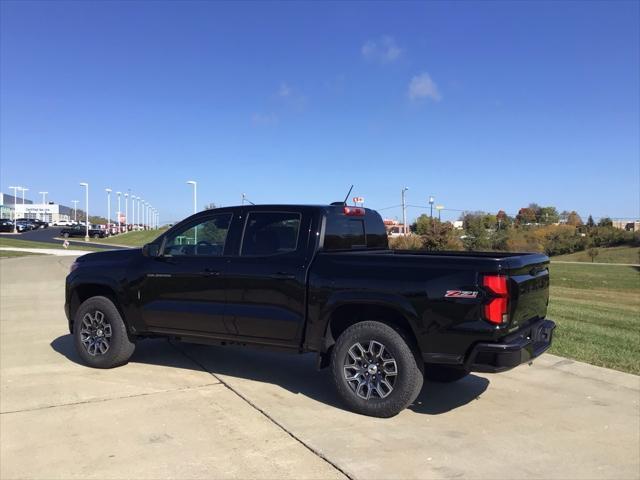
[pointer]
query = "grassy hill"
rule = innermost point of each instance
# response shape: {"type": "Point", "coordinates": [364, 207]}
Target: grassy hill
{"type": "Point", "coordinates": [623, 254]}
{"type": "Point", "coordinates": [133, 239]}
{"type": "Point", "coordinates": [596, 309]}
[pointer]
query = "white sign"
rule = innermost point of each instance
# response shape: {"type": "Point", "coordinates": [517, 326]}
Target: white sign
{"type": "Point", "coordinates": [358, 199]}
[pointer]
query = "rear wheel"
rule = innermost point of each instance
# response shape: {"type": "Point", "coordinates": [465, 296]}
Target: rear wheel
{"type": "Point", "coordinates": [65, 235]}
{"type": "Point", "coordinates": [100, 335]}
{"type": "Point", "coordinates": [96, 235]}
{"type": "Point", "coordinates": [374, 370]}
{"type": "Point", "coordinates": [444, 373]}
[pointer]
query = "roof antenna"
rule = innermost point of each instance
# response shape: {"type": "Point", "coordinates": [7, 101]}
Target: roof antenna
{"type": "Point", "coordinates": [347, 197]}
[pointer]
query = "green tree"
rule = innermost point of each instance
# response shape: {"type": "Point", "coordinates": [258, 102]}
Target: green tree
{"type": "Point", "coordinates": [605, 222]}
{"type": "Point", "coordinates": [526, 216]}
{"type": "Point", "coordinates": [549, 215]}
{"type": "Point", "coordinates": [422, 224]}
{"type": "Point", "coordinates": [590, 222]}
{"type": "Point", "coordinates": [475, 231]}
{"type": "Point", "coordinates": [438, 236]}
{"type": "Point", "coordinates": [593, 253]}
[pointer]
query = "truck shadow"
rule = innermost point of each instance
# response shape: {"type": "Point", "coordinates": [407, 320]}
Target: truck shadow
{"type": "Point", "coordinates": [296, 373]}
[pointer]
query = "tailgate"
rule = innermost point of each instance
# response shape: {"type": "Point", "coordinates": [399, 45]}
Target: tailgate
{"type": "Point", "coordinates": [528, 288]}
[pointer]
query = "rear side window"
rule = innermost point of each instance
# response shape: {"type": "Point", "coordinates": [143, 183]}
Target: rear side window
{"type": "Point", "coordinates": [343, 232]}
{"type": "Point", "coordinates": [270, 233]}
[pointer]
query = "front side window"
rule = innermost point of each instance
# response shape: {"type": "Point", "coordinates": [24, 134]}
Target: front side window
{"type": "Point", "coordinates": [270, 233]}
{"type": "Point", "coordinates": [206, 238]}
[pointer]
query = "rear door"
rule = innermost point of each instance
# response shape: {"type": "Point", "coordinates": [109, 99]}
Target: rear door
{"type": "Point", "coordinates": [266, 290]}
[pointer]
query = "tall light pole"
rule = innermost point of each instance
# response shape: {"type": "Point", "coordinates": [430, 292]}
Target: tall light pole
{"type": "Point", "coordinates": [119, 226]}
{"type": "Point", "coordinates": [431, 200]}
{"type": "Point", "coordinates": [108, 190]}
{"type": "Point", "coordinates": [23, 190]}
{"type": "Point", "coordinates": [133, 212]}
{"type": "Point", "coordinates": [86, 202]}
{"type": "Point", "coordinates": [126, 211]}
{"type": "Point", "coordinates": [439, 208]}
{"type": "Point", "coordinates": [404, 211]}
{"type": "Point", "coordinates": [15, 202]}
{"type": "Point", "coordinates": [139, 217]}
{"type": "Point", "coordinates": [44, 201]}
{"type": "Point", "coordinates": [195, 194]}
{"type": "Point", "coordinates": [75, 210]}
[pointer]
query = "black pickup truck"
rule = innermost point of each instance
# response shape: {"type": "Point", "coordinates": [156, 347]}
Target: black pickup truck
{"type": "Point", "coordinates": [81, 231]}
{"type": "Point", "coordinates": [316, 279]}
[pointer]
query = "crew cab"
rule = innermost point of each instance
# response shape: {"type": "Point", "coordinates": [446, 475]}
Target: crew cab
{"type": "Point", "coordinates": [316, 279]}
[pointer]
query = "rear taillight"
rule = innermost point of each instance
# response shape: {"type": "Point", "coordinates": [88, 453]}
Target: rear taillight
{"type": "Point", "coordinates": [353, 211]}
{"type": "Point", "coordinates": [497, 310]}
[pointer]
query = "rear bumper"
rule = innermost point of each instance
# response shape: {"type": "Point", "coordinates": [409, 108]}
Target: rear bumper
{"type": "Point", "coordinates": [520, 347]}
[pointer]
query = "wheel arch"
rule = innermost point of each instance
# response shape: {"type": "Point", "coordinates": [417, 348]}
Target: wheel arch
{"type": "Point", "coordinates": [346, 314]}
{"type": "Point", "coordinates": [83, 291]}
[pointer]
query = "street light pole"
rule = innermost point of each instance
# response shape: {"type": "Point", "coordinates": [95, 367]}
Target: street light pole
{"type": "Point", "coordinates": [431, 200]}
{"type": "Point", "coordinates": [15, 202]}
{"type": "Point", "coordinates": [86, 197]}
{"type": "Point", "coordinates": [195, 195]}
{"type": "Point", "coordinates": [439, 209]}
{"type": "Point", "coordinates": [126, 212]}
{"type": "Point", "coordinates": [133, 212]}
{"type": "Point", "coordinates": [44, 201]}
{"type": "Point", "coordinates": [108, 190]}
{"type": "Point", "coordinates": [119, 226]}
{"type": "Point", "coordinates": [23, 190]}
{"type": "Point", "coordinates": [75, 210]}
{"type": "Point", "coordinates": [404, 211]}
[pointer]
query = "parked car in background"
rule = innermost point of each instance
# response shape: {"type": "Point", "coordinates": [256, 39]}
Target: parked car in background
{"type": "Point", "coordinates": [81, 231]}
{"type": "Point", "coordinates": [63, 223]}
{"type": "Point", "coordinates": [6, 225]}
{"type": "Point", "coordinates": [22, 226]}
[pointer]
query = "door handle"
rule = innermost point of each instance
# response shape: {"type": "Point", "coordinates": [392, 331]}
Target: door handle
{"type": "Point", "coordinates": [210, 272]}
{"type": "Point", "coordinates": [282, 276]}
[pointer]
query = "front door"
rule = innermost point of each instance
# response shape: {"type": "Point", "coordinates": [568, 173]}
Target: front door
{"type": "Point", "coordinates": [184, 288]}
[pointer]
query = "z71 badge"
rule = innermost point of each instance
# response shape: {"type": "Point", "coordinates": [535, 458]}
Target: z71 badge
{"type": "Point", "coordinates": [461, 294]}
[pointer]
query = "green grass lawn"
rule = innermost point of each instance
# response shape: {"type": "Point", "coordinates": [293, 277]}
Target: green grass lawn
{"type": "Point", "coordinates": [623, 254]}
{"type": "Point", "coordinates": [133, 239]}
{"type": "Point", "coordinates": [12, 254]}
{"type": "Point", "coordinates": [597, 310]}
{"type": "Point", "coordinates": [14, 242]}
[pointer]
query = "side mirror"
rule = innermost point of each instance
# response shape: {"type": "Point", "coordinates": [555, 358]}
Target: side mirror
{"type": "Point", "coordinates": [151, 250]}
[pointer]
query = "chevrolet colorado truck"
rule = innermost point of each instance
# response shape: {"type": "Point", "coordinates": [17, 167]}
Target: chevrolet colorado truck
{"type": "Point", "coordinates": [316, 279]}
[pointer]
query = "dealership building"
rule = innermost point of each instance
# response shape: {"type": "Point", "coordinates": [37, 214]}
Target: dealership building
{"type": "Point", "coordinates": [12, 207]}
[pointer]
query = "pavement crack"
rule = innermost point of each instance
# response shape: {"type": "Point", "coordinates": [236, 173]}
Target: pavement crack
{"type": "Point", "coordinates": [100, 400]}
{"type": "Point", "coordinates": [264, 413]}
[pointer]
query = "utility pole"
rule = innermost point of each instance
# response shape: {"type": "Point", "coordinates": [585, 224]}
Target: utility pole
{"type": "Point", "coordinates": [119, 226]}
{"type": "Point", "coordinates": [404, 211]}
{"type": "Point", "coordinates": [439, 209]}
{"type": "Point", "coordinates": [431, 200]}
{"type": "Point", "coordinates": [126, 211]}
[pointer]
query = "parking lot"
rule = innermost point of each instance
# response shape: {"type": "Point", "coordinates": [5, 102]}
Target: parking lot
{"type": "Point", "coordinates": [185, 411]}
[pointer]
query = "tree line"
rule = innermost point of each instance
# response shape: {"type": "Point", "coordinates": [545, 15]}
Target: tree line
{"type": "Point", "coordinates": [533, 229]}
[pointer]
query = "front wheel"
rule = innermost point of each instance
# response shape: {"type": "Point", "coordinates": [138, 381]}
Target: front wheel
{"type": "Point", "coordinates": [65, 235]}
{"type": "Point", "coordinates": [374, 370]}
{"type": "Point", "coordinates": [100, 335]}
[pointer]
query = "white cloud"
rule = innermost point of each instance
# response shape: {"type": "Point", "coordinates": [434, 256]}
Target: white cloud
{"type": "Point", "coordinates": [383, 50]}
{"type": "Point", "coordinates": [284, 91]}
{"type": "Point", "coordinates": [422, 86]}
{"type": "Point", "coordinates": [264, 119]}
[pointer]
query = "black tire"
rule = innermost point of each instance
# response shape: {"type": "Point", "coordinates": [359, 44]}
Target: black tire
{"type": "Point", "coordinates": [444, 373]}
{"type": "Point", "coordinates": [96, 235]}
{"type": "Point", "coordinates": [65, 235]}
{"type": "Point", "coordinates": [119, 347]}
{"type": "Point", "coordinates": [407, 382]}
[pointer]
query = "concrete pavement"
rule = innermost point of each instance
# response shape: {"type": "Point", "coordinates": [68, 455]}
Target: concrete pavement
{"type": "Point", "coordinates": [189, 411]}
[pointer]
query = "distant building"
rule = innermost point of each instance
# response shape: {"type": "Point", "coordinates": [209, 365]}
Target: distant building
{"type": "Point", "coordinates": [630, 226]}
{"type": "Point", "coordinates": [12, 207]}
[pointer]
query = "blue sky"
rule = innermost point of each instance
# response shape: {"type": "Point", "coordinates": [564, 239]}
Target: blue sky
{"type": "Point", "coordinates": [485, 105]}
